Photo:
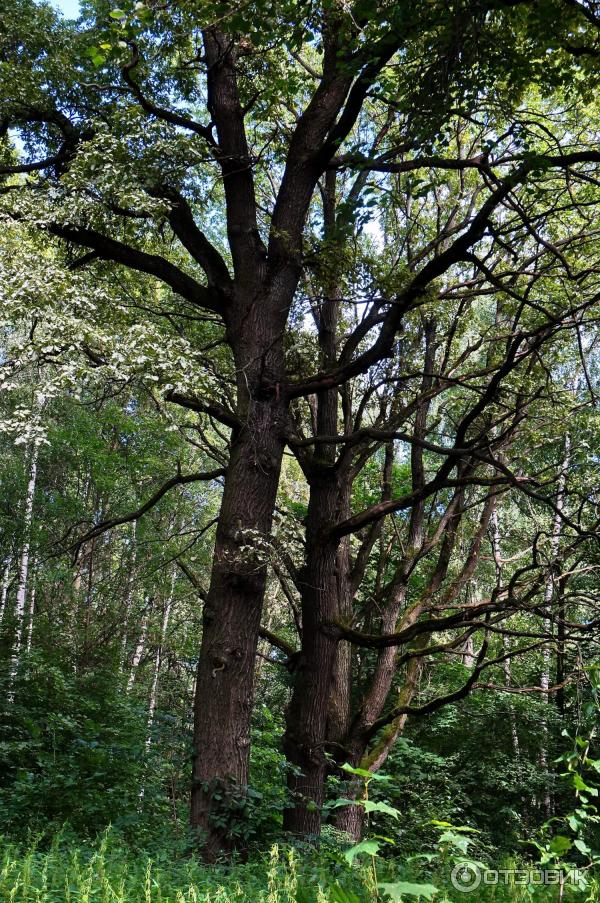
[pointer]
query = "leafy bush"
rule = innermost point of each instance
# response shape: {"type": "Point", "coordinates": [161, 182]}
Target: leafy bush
{"type": "Point", "coordinates": [73, 748]}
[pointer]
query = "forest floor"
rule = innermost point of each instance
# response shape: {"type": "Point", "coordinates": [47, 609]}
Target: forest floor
{"type": "Point", "coordinates": [110, 871]}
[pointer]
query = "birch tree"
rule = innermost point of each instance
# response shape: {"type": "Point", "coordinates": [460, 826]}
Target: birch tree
{"type": "Point", "coordinates": [20, 607]}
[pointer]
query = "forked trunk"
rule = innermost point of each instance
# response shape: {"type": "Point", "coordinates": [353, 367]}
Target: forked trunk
{"type": "Point", "coordinates": [351, 819]}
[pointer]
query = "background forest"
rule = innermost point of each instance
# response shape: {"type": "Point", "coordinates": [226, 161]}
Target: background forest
{"type": "Point", "coordinates": [299, 509]}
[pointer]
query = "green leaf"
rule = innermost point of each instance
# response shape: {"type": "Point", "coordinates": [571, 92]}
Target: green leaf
{"type": "Point", "coordinates": [459, 829]}
{"type": "Point", "coordinates": [370, 806]}
{"type": "Point", "coordinates": [368, 847]}
{"type": "Point", "coordinates": [580, 784]}
{"type": "Point", "coordinates": [338, 894]}
{"type": "Point", "coordinates": [455, 840]}
{"type": "Point", "coordinates": [560, 844]}
{"type": "Point", "coordinates": [363, 773]}
{"type": "Point", "coordinates": [581, 846]}
{"type": "Point", "coordinates": [399, 889]}
{"type": "Point", "coordinates": [337, 804]}
{"type": "Point", "coordinates": [117, 14]}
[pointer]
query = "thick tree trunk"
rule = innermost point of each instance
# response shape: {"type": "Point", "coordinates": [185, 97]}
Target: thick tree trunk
{"type": "Point", "coordinates": [351, 819]}
{"type": "Point", "coordinates": [316, 714]}
{"type": "Point", "coordinates": [232, 611]}
{"type": "Point", "coordinates": [306, 729]}
{"type": "Point", "coordinates": [362, 753]}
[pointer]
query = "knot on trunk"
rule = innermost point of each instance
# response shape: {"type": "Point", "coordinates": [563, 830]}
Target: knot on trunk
{"type": "Point", "coordinates": [268, 389]}
{"type": "Point", "coordinates": [332, 630]}
{"type": "Point", "coordinates": [219, 663]}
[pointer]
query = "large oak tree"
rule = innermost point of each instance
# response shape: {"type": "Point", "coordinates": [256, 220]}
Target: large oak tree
{"type": "Point", "coordinates": [195, 144]}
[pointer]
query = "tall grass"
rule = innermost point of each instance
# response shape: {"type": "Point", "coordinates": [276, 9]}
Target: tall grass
{"type": "Point", "coordinates": [109, 871]}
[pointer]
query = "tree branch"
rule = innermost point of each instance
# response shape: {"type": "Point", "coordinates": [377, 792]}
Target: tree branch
{"type": "Point", "coordinates": [178, 480]}
{"type": "Point", "coordinates": [192, 403]}
{"type": "Point", "coordinates": [148, 106]}
{"type": "Point", "coordinates": [183, 224]}
{"type": "Point", "coordinates": [152, 264]}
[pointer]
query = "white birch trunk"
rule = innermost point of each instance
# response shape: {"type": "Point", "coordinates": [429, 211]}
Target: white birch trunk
{"type": "Point", "coordinates": [157, 664]}
{"type": "Point", "coordinates": [548, 596]}
{"type": "Point", "coordinates": [468, 655]}
{"type": "Point", "coordinates": [31, 606]}
{"type": "Point", "coordinates": [130, 594]}
{"type": "Point", "coordinates": [24, 564]}
{"type": "Point", "coordinates": [139, 651]}
{"type": "Point", "coordinates": [5, 586]}
{"type": "Point", "coordinates": [497, 551]}
{"type": "Point", "coordinates": [158, 658]}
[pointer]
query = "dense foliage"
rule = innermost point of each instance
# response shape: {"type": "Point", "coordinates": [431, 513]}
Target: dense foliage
{"type": "Point", "coordinates": [298, 449]}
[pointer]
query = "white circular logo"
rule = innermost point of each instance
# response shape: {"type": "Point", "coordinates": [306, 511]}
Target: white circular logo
{"type": "Point", "coordinates": [465, 877]}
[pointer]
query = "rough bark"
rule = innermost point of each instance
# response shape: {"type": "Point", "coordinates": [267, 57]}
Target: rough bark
{"type": "Point", "coordinates": [351, 819]}
{"type": "Point", "coordinates": [305, 735]}
{"type": "Point", "coordinates": [319, 710]}
{"type": "Point", "coordinates": [338, 719]}
{"type": "Point", "coordinates": [266, 278]}
{"type": "Point", "coordinates": [233, 607]}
